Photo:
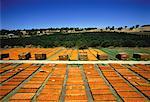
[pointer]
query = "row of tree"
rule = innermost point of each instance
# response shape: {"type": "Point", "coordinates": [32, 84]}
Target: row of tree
{"type": "Point", "coordinates": [82, 40]}
{"type": "Point", "coordinates": [33, 31]}
{"type": "Point", "coordinates": [120, 28]}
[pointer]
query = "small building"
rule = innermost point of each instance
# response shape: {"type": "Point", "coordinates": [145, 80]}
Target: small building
{"type": "Point", "coordinates": [40, 56]}
{"type": "Point", "coordinates": [102, 56]}
{"type": "Point", "coordinates": [141, 56]}
{"type": "Point", "coordinates": [63, 57]}
{"type": "Point", "coordinates": [122, 56]}
{"type": "Point", "coordinates": [83, 56]}
{"type": "Point", "coordinates": [24, 56]}
{"type": "Point", "coordinates": [4, 55]}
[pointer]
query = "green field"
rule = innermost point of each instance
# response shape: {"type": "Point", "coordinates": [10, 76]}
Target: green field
{"type": "Point", "coordinates": [112, 52]}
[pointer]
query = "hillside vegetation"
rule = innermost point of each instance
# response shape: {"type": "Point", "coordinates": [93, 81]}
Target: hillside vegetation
{"type": "Point", "coordinates": [82, 40]}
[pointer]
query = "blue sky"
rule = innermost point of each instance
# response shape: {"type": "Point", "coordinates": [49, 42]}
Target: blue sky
{"type": "Point", "coordinates": [27, 14]}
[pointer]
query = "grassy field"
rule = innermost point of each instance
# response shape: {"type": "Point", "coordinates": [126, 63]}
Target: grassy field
{"type": "Point", "coordinates": [113, 51]}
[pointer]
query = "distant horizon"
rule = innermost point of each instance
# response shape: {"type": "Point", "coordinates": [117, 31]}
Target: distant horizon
{"type": "Point", "coordinates": [75, 27]}
{"type": "Point", "coordinates": [41, 14]}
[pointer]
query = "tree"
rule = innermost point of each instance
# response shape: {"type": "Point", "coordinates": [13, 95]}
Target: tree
{"type": "Point", "coordinates": [120, 28]}
{"type": "Point", "coordinates": [125, 27]}
{"type": "Point", "coordinates": [3, 32]}
{"type": "Point", "coordinates": [112, 28]}
{"type": "Point", "coordinates": [106, 28]}
{"type": "Point", "coordinates": [137, 26]}
{"type": "Point", "coordinates": [131, 28]}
